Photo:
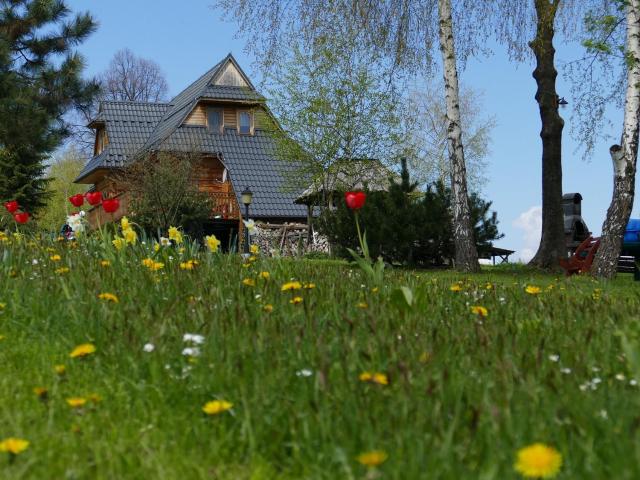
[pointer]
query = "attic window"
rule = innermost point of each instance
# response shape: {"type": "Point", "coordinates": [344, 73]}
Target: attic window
{"type": "Point", "coordinates": [214, 119]}
{"type": "Point", "coordinates": [244, 122]}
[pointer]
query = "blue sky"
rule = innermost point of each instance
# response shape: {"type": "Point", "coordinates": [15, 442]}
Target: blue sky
{"type": "Point", "coordinates": [188, 38]}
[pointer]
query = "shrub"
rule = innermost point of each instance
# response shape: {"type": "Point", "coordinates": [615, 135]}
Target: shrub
{"type": "Point", "coordinates": [406, 226]}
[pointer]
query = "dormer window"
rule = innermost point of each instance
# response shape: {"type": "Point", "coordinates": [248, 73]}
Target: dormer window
{"type": "Point", "coordinates": [245, 122]}
{"type": "Point", "coordinates": [214, 119]}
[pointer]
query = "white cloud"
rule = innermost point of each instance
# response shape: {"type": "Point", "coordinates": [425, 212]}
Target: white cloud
{"type": "Point", "coordinates": [530, 222]}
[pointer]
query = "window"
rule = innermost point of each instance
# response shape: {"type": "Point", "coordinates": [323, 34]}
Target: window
{"type": "Point", "coordinates": [244, 122]}
{"type": "Point", "coordinates": [214, 119]}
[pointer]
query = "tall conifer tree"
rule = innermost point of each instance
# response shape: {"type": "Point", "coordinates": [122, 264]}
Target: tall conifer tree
{"type": "Point", "coordinates": [40, 80]}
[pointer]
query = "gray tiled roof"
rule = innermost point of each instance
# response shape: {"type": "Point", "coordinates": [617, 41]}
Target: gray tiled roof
{"type": "Point", "coordinates": [132, 127]}
{"type": "Point", "coordinates": [250, 161]}
{"type": "Point", "coordinates": [128, 125]}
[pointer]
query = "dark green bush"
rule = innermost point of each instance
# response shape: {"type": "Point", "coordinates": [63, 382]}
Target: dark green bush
{"type": "Point", "coordinates": [406, 226]}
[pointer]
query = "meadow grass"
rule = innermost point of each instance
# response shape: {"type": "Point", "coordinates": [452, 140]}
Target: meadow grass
{"type": "Point", "coordinates": [464, 392]}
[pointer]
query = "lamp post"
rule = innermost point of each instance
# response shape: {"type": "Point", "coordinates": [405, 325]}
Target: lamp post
{"type": "Point", "coordinates": [247, 196]}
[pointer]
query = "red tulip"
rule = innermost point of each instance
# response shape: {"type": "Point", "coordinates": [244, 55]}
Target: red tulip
{"type": "Point", "coordinates": [22, 217]}
{"type": "Point", "coordinates": [12, 206]}
{"type": "Point", "coordinates": [94, 198]}
{"type": "Point", "coordinates": [111, 205]}
{"type": "Point", "coordinates": [355, 200]}
{"type": "Point", "coordinates": [77, 200]}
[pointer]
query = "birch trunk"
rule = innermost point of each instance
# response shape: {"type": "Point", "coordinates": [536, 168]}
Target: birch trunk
{"type": "Point", "coordinates": [552, 242]}
{"type": "Point", "coordinates": [463, 235]}
{"type": "Point", "coordinates": [624, 156]}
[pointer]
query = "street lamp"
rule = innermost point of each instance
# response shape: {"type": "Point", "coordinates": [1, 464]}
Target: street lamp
{"type": "Point", "coordinates": [247, 196]}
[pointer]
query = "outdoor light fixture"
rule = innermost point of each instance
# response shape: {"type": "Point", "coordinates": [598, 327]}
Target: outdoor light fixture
{"type": "Point", "coordinates": [247, 197]}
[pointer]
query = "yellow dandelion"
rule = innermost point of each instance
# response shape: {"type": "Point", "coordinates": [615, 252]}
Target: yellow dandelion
{"type": "Point", "coordinates": [216, 406]}
{"type": "Point", "coordinates": [533, 290]}
{"type": "Point", "coordinates": [375, 290]}
{"type": "Point", "coordinates": [362, 305]}
{"type": "Point", "coordinates": [188, 265]}
{"type": "Point", "coordinates": [380, 378]}
{"type": "Point", "coordinates": [62, 270]}
{"type": "Point", "coordinates": [456, 287]}
{"type": "Point", "coordinates": [254, 249]}
{"type": "Point", "coordinates": [108, 297]}
{"type": "Point", "coordinates": [249, 282]}
{"type": "Point", "coordinates": [268, 308]}
{"type": "Point", "coordinates": [265, 275]}
{"type": "Point", "coordinates": [212, 243]}
{"type": "Point", "coordinates": [175, 235]}
{"type": "Point", "coordinates": [291, 286]}
{"type": "Point", "coordinates": [538, 461]}
{"type": "Point", "coordinates": [157, 266]}
{"type": "Point", "coordinates": [296, 300]}
{"type": "Point", "coordinates": [119, 243]}
{"type": "Point", "coordinates": [13, 445]}
{"type": "Point", "coordinates": [479, 310]}
{"type": "Point", "coordinates": [83, 350]}
{"type": "Point", "coordinates": [147, 262]}
{"type": "Point", "coordinates": [41, 392]}
{"type": "Point", "coordinates": [76, 402]}
{"type": "Point", "coordinates": [94, 398]}
{"type": "Point", "coordinates": [365, 376]}
{"type": "Point", "coordinates": [373, 458]}
{"type": "Point", "coordinates": [309, 286]}
{"type": "Point", "coordinates": [55, 258]}
{"type": "Point", "coordinates": [60, 369]}
{"type": "Point", "coordinates": [105, 263]}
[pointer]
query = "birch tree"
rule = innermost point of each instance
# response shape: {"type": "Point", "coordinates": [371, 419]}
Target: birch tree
{"type": "Point", "coordinates": [624, 156]}
{"type": "Point", "coordinates": [406, 31]}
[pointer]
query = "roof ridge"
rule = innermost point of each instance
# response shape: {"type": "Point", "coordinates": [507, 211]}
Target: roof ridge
{"type": "Point", "coordinates": [134, 102]}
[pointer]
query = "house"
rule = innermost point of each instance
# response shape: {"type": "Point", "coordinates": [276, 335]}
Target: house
{"type": "Point", "coordinates": [222, 120]}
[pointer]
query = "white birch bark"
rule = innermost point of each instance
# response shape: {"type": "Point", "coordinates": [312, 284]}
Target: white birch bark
{"type": "Point", "coordinates": [623, 156]}
{"type": "Point", "coordinates": [465, 247]}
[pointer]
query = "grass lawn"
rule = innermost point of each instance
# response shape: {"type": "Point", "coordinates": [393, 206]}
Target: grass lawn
{"type": "Point", "coordinates": [449, 393]}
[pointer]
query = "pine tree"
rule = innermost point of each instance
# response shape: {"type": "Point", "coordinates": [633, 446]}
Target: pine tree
{"type": "Point", "coordinates": [40, 80]}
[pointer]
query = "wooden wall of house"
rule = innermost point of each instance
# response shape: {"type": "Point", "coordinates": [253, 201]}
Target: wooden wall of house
{"type": "Point", "coordinates": [198, 116]}
{"type": "Point", "coordinates": [230, 116]}
{"type": "Point", "coordinates": [209, 174]}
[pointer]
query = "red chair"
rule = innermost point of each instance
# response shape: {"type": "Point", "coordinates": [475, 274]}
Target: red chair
{"type": "Point", "coordinates": [582, 258]}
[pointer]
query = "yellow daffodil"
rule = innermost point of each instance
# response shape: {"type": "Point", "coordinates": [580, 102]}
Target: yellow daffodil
{"type": "Point", "coordinates": [83, 350]}
{"type": "Point", "coordinates": [156, 247]}
{"type": "Point", "coordinates": [119, 243]}
{"type": "Point", "coordinates": [479, 310]}
{"type": "Point", "coordinates": [532, 290]}
{"type": "Point", "coordinates": [296, 300]}
{"type": "Point", "coordinates": [212, 243]}
{"type": "Point", "coordinates": [538, 461]}
{"type": "Point", "coordinates": [216, 406]}
{"type": "Point", "coordinates": [130, 236]}
{"type": "Point", "coordinates": [175, 235]}
{"type": "Point", "coordinates": [76, 402]}
{"type": "Point", "coordinates": [124, 223]}
{"type": "Point", "coordinates": [109, 297]}
{"type": "Point", "coordinates": [249, 282]}
{"type": "Point", "coordinates": [13, 445]}
{"type": "Point", "coordinates": [254, 249]}
{"type": "Point", "coordinates": [372, 459]}
{"type": "Point", "coordinates": [291, 286]}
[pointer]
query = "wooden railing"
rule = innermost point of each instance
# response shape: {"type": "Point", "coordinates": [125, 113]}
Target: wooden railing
{"type": "Point", "coordinates": [225, 205]}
